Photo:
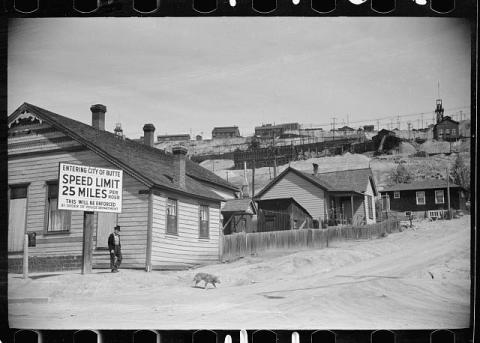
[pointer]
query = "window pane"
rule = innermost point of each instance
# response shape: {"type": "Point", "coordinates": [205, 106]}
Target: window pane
{"type": "Point", "coordinates": [18, 192]}
{"type": "Point", "coordinates": [57, 220]}
{"type": "Point", "coordinates": [171, 216]}
{"type": "Point", "coordinates": [53, 190]}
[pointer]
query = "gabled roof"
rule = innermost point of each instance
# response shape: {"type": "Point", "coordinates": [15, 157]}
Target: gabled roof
{"type": "Point", "coordinates": [239, 206]}
{"type": "Point", "coordinates": [153, 167]}
{"type": "Point", "coordinates": [349, 180]}
{"type": "Point", "coordinates": [447, 118]}
{"type": "Point", "coordinates": [345, 128]}
{"type": "Point", "coordinates": [418, 185]}
{"type": "Point", "coordinates": [319, 183]}
{"type": "Point", "coordinates": [290, 199]}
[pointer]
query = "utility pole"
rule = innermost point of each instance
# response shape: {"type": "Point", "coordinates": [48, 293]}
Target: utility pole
{"type": "Point", "coordinates": [398, 122]}
{"type": "Point", "coordinates": [378, 125]}
{"type": "Point", "coordinates": [448, 193]}
{"type": "Point", "coordinates": [333, 128]}
{"type": "Point", "coordinates": [253, 177]}
{"type": "Point", "coordinates": [422, 120]}
{"type": "Point", "coordinates": [409, 124]}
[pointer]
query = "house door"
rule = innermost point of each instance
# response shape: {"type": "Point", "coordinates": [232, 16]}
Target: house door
{"type": "Point", "coordinates": [105, 223]}
{"type": "Point", "coordinates": [17, 214]}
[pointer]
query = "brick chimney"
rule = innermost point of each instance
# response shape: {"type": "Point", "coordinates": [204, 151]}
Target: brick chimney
{"type": "Point", "coordinates": [315, 168]}
{"type": "Point", "coordinates": [98, 116]}
{"type": "Point", "coordinates": [148, 134]}
{"type": "Point", "coordinates": [179, 158]}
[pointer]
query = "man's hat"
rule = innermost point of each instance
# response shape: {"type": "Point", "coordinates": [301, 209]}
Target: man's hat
{"type": "Point", "coordinates": [117, 227]}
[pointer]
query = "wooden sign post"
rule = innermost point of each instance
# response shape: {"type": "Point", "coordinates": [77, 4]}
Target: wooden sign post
{"type": "Point", "coordinates": [89, 189]}
{"type": "Point", "coordinates": [87, 242]}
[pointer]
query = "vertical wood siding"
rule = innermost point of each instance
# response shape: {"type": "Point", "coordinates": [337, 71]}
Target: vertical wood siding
{"type": "Point", "coordinates": [305, 193]}
{"type": "Point", "coordinates": [41, 168]}
{"type": "Point", "coordinates": [185, 248]}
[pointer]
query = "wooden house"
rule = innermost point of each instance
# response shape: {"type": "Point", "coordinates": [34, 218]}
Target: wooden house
{"type": "Point", "coordinates": [171, 206]}
{"type": "Point", "coordinates": [340, 197]}
{"type": "Point", "coordinates": [239, 216]}
{"type": "Point", "coordinates": [446, 129]}
{"type": "Point", "coordinates": [225, 132]}
{"type": "Point", "coordinates": [422, 197]}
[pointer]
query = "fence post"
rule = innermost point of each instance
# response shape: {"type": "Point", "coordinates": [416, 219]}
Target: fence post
{"type": "Point", "coordinates": [25, 257]}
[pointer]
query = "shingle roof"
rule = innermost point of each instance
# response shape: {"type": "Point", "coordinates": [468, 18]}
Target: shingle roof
{"type": "Point", "coordinates": [348, 180]}
{"type": "Point", "coordinates": [355, 180]}
{"type": "Point", "coordinates": [421, 184]}
{"type": "Point", "coordinates": [238, 205]}
{"type": "Point", "coordinates": [152, 166]}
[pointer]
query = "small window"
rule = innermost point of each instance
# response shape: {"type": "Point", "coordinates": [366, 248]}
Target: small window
{"type": "Point", "coordinates": [57, 220]}
{"type": "Point", "coordinates": [454, 132]}
{"type": "Point", "coordinates": [447, 131]}
{"type": "Point", "coordinates": [439, 197]}
{"type": "Point", "coordinates": [420, 198]}
{"type": "Point", "coordinates": [204, 220]}
{"type": "Point", "coordinates": [172, 216]}
{"type": "Point", "coordinates": [396, 195]}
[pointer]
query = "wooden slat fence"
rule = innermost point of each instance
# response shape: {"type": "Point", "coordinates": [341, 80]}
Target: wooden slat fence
{"type": "Point", "coordinates": [243, 244]}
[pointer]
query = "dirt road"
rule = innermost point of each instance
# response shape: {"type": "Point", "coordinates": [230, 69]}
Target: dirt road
{"type": "Point", "coordinates": [415, 279]}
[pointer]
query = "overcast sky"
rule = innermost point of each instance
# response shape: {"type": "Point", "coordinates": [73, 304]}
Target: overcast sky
{"type": "Point", "coordinates": [187, 75]}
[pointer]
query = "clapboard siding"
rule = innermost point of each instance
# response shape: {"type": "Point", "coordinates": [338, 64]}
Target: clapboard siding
{"type": "Point", "coordinates": [304, 192]}
{"type": "Point", "coordinates": [186, 247]}
{"type": "Point", "coordinates": [38, 169]}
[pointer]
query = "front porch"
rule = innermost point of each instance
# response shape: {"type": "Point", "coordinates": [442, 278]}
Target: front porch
{"type": "Point", "coordinates": [346, 208]}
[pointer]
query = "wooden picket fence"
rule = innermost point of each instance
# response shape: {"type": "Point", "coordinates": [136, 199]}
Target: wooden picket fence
{"type": "Point", "coordinates": [243, 244]}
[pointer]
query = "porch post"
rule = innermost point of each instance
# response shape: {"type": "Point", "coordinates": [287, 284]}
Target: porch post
{"type": "Point", "coordinates": [351, 202]}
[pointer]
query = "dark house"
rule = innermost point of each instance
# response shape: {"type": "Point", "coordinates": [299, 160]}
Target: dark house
{"type": "Point", "coordinates": [345, 129]}
{"type": "Point", "coordinates": [369, 128]}
{"type": "Point", "coordinates": [239, 216]}
{"type": "Point", "coordinates": [225, 132]}
{"type": "Point", "coordinates": [446, 130]}
{"type": "Point", "coordinates": [421, 197]}
{"type": "Point", "coordinates": [282, 214]}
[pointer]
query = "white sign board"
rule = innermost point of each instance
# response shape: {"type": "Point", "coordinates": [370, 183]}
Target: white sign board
{"type": "Point", "coordinates": [85, 188]}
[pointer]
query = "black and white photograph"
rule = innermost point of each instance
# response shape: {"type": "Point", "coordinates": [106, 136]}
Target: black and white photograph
{"type": "Point", "coordinates": [289, 173]}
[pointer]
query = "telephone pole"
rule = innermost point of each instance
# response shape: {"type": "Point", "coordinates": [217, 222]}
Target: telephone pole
{"type": "Point", "coordinates": [333, 128]}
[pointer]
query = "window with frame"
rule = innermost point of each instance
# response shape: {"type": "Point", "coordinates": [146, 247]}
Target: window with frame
{"type": "Point", "coordinates": [203, 221]}
{"type": "Point", "coordinates": [439, 197]}
{"type": "Point", "coordinates": [440, 132]}
{"type": "Point", "coordinates": [57, 220]}
{"type": "Point", "coordinates": [172, 206]}
{"type": "Point", "coordinates": [420, 195]}
{"type": "Point", "coordinates": [454, 132]}
{"type": "Point", "coordinates": [396, 195]}
{"type": "Point", "coordinates": [370, 206]}
{"type": "Point", "coordinates": [447, 131]}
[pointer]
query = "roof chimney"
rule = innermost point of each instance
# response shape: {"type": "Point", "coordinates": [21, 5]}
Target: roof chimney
{"type": "Point", "coordinates": [315, 168]}
{"type": "Point", "coordinates": [98, 116]}
{"type": "Point", "coordinates": [179, 160]}
{"type": "Point", "coordinates": [148, 134]}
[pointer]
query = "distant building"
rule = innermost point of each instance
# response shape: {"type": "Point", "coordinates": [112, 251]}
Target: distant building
{"type": "Point", "coordinates": [270, 131]}
{"type": "Point", "coordinates": [198, 138]}
{"type": "Point", "coordinates": [446, 130]}
{"type": "Point", "coordinates": [346, 129]}
{"type": "Point", "coordinates": [225, 132]}
{"type": "Point", "coordinates": [368, 128]}
{"type": "Point", "coordinates": [171, 138]}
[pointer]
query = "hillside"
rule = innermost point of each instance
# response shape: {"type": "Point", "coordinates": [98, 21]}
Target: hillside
{"type": "Point", "coordinates": [420, 167]}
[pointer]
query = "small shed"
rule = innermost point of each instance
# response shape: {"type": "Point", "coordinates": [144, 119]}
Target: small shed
{"type": "Point", "coordinates": [282, 214]}
{"type": "Point", "coordinates": [239, 216]}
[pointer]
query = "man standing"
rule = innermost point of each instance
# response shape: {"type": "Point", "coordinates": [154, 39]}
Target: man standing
{"type": "Point", "coordinates": [115, 249]}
